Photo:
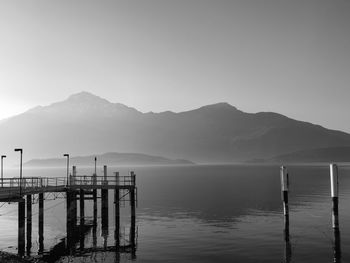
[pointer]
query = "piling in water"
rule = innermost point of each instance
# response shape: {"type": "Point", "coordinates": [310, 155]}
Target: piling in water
{"type": "Point", "coordinates": [82, 209]}
{"type": "Point", "coordinates": [29, 223]}
{"type": "Point", "coordinates": [334, 194]}
{"type": "Point", "coordinates": [94, 197]}
{"type": "Point", "coordinates": [41, 223]}
{"type": "Point", "coordinates": [133, 210]}
{"type": "Point", "coordinates": [284, 189]}
{"type": "Point", "coordinates": [104, 205]}
{"type": "Point", "coordinates": [21, 227]}
{"type": "Point", "coordinates": [336, 246]}
{"type": "Point", "coordinates": [117, 210]}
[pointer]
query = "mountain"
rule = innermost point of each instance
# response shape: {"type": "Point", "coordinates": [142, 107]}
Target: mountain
{"type": "Point", "coordinates": [325, 155]}
{"type": "Point", "coordinates": [218, 133]}
{"type": "Point", "coordinates": [107, 159]}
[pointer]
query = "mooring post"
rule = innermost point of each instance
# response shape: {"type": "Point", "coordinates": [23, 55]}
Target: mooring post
{"type": "Point", "coordinates": [94, 197]}
{"type": "Point", "coordinates": [284, 189]}
{"type": "Point", "coordinates": [117, 210]}
{"type": "Point", "coordinates": [29, 223]}
{"type": "Point", "coordinates": [104, 200]}
{"type": "Point", "coordinates": [334, 194]}
{"type": "Point", "coordinates": [41, 222]}
{"type": "Point", "coordinates": [133, 209]}
{"type": "Point", "coordinates": [21, 227]}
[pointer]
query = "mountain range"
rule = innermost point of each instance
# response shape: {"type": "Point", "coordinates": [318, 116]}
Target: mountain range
{"type": "Point", "coordinates": [107, 159]}
{"type": "Point", "coordinates": [220, 133]}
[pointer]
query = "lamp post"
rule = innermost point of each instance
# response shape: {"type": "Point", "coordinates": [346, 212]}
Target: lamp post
{"type": "Point", "coordinates": [2, 170]}
{"type": "Point", "coordinates": [67, 155]}
{"type": "Point", "coordinates": [20, 170]}
{"type": "Point", "coordinates": [95, 164]}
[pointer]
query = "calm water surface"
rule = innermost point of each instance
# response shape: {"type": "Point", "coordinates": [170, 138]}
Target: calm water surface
{"type": "Point", "coordinates": [208, 214]}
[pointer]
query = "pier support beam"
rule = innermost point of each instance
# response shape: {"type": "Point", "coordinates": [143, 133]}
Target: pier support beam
{"type": "Point", "coordinates": [21, 227]}
{"type": "Point", "coordinates": [71, 220]}
{"type": "Point", "coordinates": [41, 222]}
{"type": "Point", "coordinates": [133, 210]}
{"type": "Point", "coordinates": [29, 223]}
{"type": "Point", "coordinates": [82, 209]}
{"type": "Point", "coordinates": [94, 197]}
{"type": "Point", "coordinates": [334, 194]}
{"type": "Point", "coordinates": [104, 203]}
{"type": "Point", "coordinates": [117, 210]}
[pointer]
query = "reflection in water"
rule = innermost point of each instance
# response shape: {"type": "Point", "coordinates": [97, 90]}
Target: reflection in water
{"type": "Point", "coordinates": [336, 246]}
{"type": "Point", "coordinates": [177, 227]}
{"type": "Point", "coordinates": [288, 247]}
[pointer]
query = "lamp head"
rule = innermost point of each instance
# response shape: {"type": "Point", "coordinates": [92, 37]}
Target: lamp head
{"type": "Point", "coordinates": [3, 156]}
{"type": "Point", "coordinates": [66, 155]}
{"type": "Point", "coordinates": [18, 150]}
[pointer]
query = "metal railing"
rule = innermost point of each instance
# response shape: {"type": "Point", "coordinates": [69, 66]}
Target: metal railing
{"type": "Point", "coordinates": [102, 180]}
{"type": "Point", "coordinates": [27, 184]}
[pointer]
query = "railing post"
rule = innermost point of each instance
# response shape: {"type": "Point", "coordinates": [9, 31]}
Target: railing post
{"type": "Point", "coordinates": [74, 174]}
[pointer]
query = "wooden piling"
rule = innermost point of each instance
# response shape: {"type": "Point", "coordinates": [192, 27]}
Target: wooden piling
{"type": "Point", "coordinates": [117, 210]}
{"type": "Point", "coordinates": [74, 198]}
{"type": "Point", "coordinates": [133, 209]}
{"type": "Point", "coordinates": [29, 223]}
{"type": "Point", "coordinates": [41, 222]}
{"type": "Point", "coordinates": [21, 227]}
{"type": "Point", "coordinates": [104, 201]}
{"type": "Point", "coordinates": [94, 197]}
{"type": "Point", "coordinates": [71, 220]}
{"type": "Point", "coordinates": [334, 194]}
{"type": "Point", "coordinates": [82, 209]}
{"type": "Point", "coordinates": [68, 219]}
{"type": "Point", "coordinates": [284, 189]}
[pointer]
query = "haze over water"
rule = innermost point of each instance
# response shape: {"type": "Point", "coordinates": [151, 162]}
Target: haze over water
{"type": "Point", "coordinates": [210, 214]}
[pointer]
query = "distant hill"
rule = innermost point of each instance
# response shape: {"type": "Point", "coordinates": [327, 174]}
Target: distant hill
{"type": "Point", "coordinates": [107, 159]}
{"type": "Point", "coordinates": [218, 133]}
{"type": "Point", "coordinates": [326, 155]}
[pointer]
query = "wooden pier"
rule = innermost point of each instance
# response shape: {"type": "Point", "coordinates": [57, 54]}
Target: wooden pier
{"type": "Point", "coordinates": [76, 190]}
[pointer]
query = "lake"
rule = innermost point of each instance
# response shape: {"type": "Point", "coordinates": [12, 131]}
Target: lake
{"type": "Point", "coordinates": [207, 213]}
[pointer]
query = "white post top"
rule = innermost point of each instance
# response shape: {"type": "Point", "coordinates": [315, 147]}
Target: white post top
{"type": "Point", "coordinates": [284, 178]}
{"type": "Point", "coordinates": [333, 168]}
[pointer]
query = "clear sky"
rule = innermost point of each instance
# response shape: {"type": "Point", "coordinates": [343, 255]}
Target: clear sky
{"type": "Point", "coordinates": [291, 57]}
